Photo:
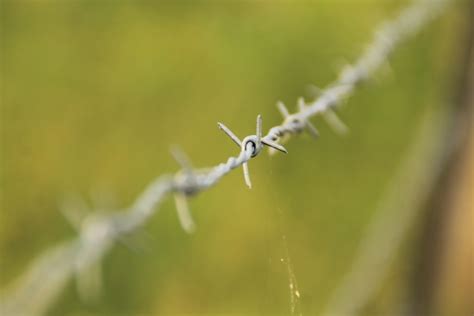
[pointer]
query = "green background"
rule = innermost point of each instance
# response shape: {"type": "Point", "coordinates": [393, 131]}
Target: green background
{"type": "Point", "coordinates": [94, 93]}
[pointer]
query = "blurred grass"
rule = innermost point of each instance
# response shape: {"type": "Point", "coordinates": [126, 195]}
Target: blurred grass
{"type": "Point", "coordinates": [95, 92]}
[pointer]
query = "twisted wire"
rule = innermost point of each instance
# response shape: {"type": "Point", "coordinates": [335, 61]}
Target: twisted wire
{"type": "Point", "coordinates": [50, 272]}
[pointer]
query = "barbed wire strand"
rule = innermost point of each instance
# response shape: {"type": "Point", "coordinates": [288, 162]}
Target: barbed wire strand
{"type": "Point", "coordinates": [48, 275]}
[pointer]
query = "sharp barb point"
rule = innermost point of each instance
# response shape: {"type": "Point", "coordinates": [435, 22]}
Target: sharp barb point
{"type": "Point", "coordinates": [283, 110]}
{"type": "Point", "coordinates": [229, 133]}
{"type": "Point", "coordinates": [301, 104]}
{"type": "Point", "coordinates": [259, 128]}
{"type": "Point", "coordinates": [182, 159]}
{"type": "Point", "coordinates": [314, 90]}
{"type": "Point", "coordinates": [335, 122]}
{"type": "Point", "coordinates": [184, 215]}
{"type": "Point", "coordinates": [312, 129]}
{"type": "Point", "coordinates": [248, 182]}
{"type": "Point", "coordinates": [275, 146]}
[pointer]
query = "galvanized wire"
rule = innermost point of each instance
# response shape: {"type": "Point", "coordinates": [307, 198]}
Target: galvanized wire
{"type": "Point", "coordinates": [40, 286]}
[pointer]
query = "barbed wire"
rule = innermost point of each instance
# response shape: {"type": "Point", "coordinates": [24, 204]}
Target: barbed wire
{"type": "Point", "coordinates": [47, 276]}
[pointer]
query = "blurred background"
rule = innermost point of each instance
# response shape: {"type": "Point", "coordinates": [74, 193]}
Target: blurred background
{"type": "Point", "coordinates": [94, 93]}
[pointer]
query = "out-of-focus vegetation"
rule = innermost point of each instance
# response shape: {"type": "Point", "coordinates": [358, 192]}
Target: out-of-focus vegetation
{"type": "Point", "coordinates": [95, 92]}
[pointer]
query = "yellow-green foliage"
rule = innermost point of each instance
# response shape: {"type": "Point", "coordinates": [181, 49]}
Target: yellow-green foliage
{"type": "Point", "coordinates": [95, 92]}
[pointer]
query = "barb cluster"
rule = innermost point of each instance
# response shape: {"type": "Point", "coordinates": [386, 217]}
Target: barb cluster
{"type": "Point", "coordinates": [252, 145]}
{"type": "Point", "coordinates": [188, 181]}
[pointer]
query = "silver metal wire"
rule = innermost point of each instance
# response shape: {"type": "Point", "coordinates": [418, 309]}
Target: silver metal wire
{"type": "Point", "coordinates": [40, 286]}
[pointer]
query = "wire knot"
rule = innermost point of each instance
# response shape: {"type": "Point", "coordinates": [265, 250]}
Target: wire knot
{"type": "Point", "coordinates": [252, 144]}
{"type": "Point", "coordinates": [186, 183]}
{"type": "Point", "coordinates": [296, 122]}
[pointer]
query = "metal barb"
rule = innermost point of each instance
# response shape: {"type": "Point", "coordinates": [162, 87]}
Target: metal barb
{"type": "Point", "coordinates": [251, 144]}
{"type": "Point", "coordinates": [298, 121]}
{"type": "Point", "coordinates": [248, 182]}
{"type": "Point", "coordinates": [184, 215]}
{"type": "Point", "coordinates": [230, 134]}
{"type": "Point", "coordinates": [186, 185]}
{"type": "Point", "coordinates": [301, 104]}
{"type": "Point", "coordinates": [283, 110]}
{"type": "Point", "coordinates": [181, 158]}
{"type": "Point", "coordinates": [335, 122]}
{"type": "Point", "coordinates": [274, 145]}
{"type": "Point", "coordinates": [185, 181]}
{"type": "Point", "coordinates": [259, 127]}
{"type": "Point", "coordinates": [314, 91]}
{"type": "Point", "coordinates": [312, 130]}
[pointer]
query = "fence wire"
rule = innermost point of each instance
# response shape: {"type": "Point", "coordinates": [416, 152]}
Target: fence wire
{"type": "Point", "coordinates": [39, 287]}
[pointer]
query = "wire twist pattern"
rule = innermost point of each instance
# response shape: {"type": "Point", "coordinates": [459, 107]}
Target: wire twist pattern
{"type": "Point", "coordinates": [49, 273]}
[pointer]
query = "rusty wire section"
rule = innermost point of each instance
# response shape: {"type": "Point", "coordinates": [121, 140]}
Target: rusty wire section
{"type": "Point", "coordinates": [81, 257]}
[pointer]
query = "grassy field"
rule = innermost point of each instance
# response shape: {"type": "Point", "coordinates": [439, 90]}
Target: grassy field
{"type": "Point", "coordinates": [94, 93]}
